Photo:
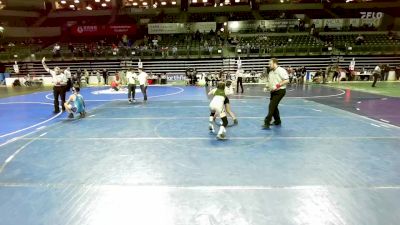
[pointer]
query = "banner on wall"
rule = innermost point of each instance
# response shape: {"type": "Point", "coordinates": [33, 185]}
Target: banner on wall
{"type": "Point", "coordinates": [103, 30]}
{"type": "Point", "coordinates": [236, 26]}
{"type": "Point", "coordinates": [179, 28]}
{"type": "Point", "coordinates": [339, 23]}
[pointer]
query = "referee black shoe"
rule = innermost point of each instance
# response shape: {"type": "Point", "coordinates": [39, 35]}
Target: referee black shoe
{"type": "Point", "coordinates": [276, 124]}
{"type": "Point", "coordinates": [266, 127]}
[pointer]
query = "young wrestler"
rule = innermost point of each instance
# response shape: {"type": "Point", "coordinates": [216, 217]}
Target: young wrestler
{"type": "Point", "coordinates": [228, 92]}
{"type": "Point", "coordinates": [217, 108]}
{"type": "Point", "coordinates": [75, 104]}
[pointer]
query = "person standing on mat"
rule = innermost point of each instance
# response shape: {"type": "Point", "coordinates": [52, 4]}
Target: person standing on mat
{"type": "Point", "coordinates": [105, 75]}
{"type": "Point", "coordinates": [239, 76]}
{"type": "Point", "coordinates": [60, 85]}
{"type": "Point", "coordinates": [278, 78]}
{"type": "Point", "coordinates": [142, 77]}
{"type": "Point", "coordinates": [131, 78]}
{"type": "Point", "coordinates": [376, 74]}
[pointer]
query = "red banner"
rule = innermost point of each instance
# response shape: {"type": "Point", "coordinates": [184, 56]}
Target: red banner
{"type": "Point", "coordinates": [103, 30]}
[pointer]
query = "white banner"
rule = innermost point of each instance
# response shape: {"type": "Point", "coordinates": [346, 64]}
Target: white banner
{"type": "Point", "coordinates": [166, 28]}
{"type": "Point", "coordinates": [334, 23]}
{"type": "Point", "coordinates": [203, 26]}
{"type": "Point", "coordinates": [179, 28]}
{"type": "Point", "coordinates": [235, 26]}
{"type": "Point", "coordinates": [355, 22]}
{"type": "Point", "coordinates": [374, 22]}
{"type": "Point", "coordinates": [319, 23]}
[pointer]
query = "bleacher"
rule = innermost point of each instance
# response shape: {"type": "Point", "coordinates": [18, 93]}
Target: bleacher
{"type": "Point", "coordinates": [378, 43]}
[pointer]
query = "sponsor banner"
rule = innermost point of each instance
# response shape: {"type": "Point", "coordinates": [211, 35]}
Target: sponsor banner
{"type": "Point", "coordinates": [103, 30]}
{"type": "Point", "coordinates": [340, 23]}
{"type": "Point", "coordinates": [166, 28]}
{"type": "Point", "coordinates": [235, 26]}
{"type": "Point", "coordinates": [334, 23]}
{"type": "Point", "coordinates": [179, 28]}
{"type": "Point", "coordinates": [319, 23]}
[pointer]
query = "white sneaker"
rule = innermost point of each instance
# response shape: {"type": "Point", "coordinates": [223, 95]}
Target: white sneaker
{"type": "Point", "coordinates": [211, 128]}
{"type": "Point", "coordinates": [221, 137]}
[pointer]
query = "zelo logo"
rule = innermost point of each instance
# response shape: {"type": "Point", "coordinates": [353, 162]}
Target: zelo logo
{"type": "Point", "coordinates": [371, 15]}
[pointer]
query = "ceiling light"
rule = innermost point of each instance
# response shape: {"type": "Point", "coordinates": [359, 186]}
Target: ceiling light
{"type": "Point", "coordinates": [163, 3]}
{"type": "Point", "coordinates": [135, 3]}
{"type": "Point", "coordinates": [204, 1]}
{"type": "Point", "coordinates": [97, 0]}
{"type": "Point", "coordinates": [63, 2]}
{"type": "Point", "coordinates": [173, 3]}
{"type": "Point", "coordinates": [108, 0]}
{"type": "Point", "coordinates": [144, 3]}
{"type": "Point", "coordinates": [71, 6]}
{"type": "Point", "coordinates": [104, 4]}
{"type": "Point", "coordinates": [194, 1]}
{"type": "Point", "coordinates": [76, 1]}
{"type": "Point", "coordinates": [237, 1]}
{"type": "Point", "coordinates": [88, 8]}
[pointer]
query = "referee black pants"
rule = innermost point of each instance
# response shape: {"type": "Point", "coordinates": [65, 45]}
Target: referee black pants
{"type": "Point", "coordinates": [376, 76]}
{"type": "Point", "coordinates": [239, 82]}
{"type": "Point", "coordinates": [131, 91]}
{"type": "Point", "coordinates": [143, 88]}
{"type": "Point", "coordinates": [273, 111]}
{"type": "Point", "coordinates": [59, 91]}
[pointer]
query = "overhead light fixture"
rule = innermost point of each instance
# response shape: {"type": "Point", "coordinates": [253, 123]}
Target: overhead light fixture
{"type": "Point", "coordinates": [104, 4]}
{"type": "Point", "coordinates": [144, 3]}
{"type": "Point", "coordinates": [63, 2]}
{"type": "Point", "coordinates": [131, 0]}
{"type": "Point", "coordinates": [135, 4]}
{"type": "Point", "coordinates": [163, 3]}
{"type": "Point", "coordinates": [96, 0]}
{"type": "Point", "coordinates": [76, 1]}
{"type": "Point", "coordinates": [194, 1]}
{"type": "Point", "coordinates": [71, 6]}
{"type": "Point", "coordinates": [237, 1]}
{"type": "Point", "coordinates": [88, 7]}
{"type": "Point", "coordinates": [173, 3]}
{"type": "Point", "coordinates": [108, 0]}
{"type": "Point", "coordinates": [204, 1]}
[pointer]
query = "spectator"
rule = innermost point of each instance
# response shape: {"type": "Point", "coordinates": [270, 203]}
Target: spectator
{"type": "Point", "coordinates": [57, 50]}
{"type": "Point", "coordinates": [360, 40]}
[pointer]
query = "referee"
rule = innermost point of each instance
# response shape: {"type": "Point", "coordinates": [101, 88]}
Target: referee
{"type": "Point", "coordinates": [60, 85]}
{"type": "Point", "coordinates": [278, 79]}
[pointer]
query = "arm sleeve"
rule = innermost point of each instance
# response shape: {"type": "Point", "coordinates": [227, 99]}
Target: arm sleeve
{"type": "Point", "coordinates": [283, 74]}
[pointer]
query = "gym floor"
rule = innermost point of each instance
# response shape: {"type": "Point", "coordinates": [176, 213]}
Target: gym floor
{"type": "Point", "coordinates": [334, 160]}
